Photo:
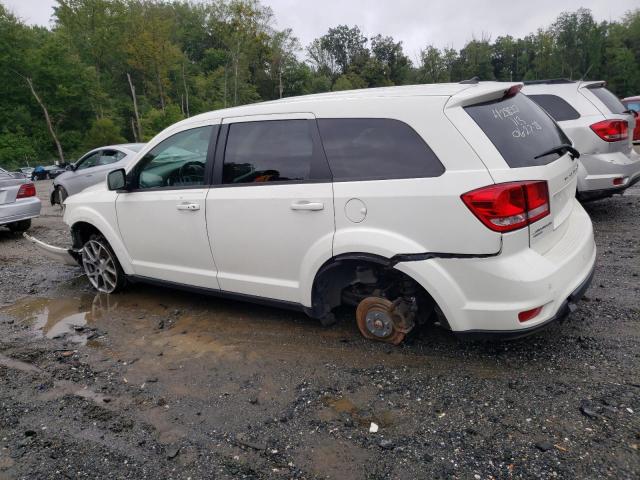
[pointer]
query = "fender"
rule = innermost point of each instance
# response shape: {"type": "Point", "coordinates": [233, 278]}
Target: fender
{"type": "Point", "coordinates": [83, 213]}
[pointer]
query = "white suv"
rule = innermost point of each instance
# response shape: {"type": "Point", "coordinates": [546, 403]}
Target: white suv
{"type": "Point", "coordinates": [601, 128]}
{"type": "Point", "coordinates": [455, 201]}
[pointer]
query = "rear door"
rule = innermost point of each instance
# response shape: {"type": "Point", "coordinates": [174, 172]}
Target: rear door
{"type": "Point", "coordinates": [270, 213]}
{"type": "Point", "coordinates": [515, 134]}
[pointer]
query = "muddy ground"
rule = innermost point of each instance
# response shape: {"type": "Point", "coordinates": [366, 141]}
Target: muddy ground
{"type": "Point", "coordinates": [154, 383]}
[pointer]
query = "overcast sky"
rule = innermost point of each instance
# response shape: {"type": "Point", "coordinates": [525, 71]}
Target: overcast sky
{"type": "Point", "coordinates": [416, 23]}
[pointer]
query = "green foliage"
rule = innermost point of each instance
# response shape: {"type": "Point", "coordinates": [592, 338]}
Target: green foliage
{"type": "Point", "coordinates": [16, 150]}
{"type": "Point", "coordinates": [157, 120]}
{"type": "Point", "coordinates": [103, 131]}
{"type": "Point", "coordinates": [186, 57]}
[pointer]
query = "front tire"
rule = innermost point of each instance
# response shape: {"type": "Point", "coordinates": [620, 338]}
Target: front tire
{"type": "Point", "coordinates": [61, 196]}
{"type": "Point", "coordinates": [101, 265]}
{"type": "Point", "coordinates": [21, 226]}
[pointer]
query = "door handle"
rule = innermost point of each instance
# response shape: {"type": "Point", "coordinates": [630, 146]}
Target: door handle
{"type": "Point", "coordinates": [305, 205]}
{"type": "Point", "coordinates": [188, 206]}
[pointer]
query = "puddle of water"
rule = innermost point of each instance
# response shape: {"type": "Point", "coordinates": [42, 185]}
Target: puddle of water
{"type": "Point", "coordinates": [58, 317]}
{"type": "Point", "coordinates": [342, 405]}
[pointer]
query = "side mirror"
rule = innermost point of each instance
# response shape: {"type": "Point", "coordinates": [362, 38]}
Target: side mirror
{"type": "Point", "coordinates": [117, 179]}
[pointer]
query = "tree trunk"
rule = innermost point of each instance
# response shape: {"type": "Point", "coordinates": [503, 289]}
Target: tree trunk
{"type": "Point", "coordinates": [47, 118]}
{"type": "Point", "coordinates": [280, 88]}
{"type": "Point", "coordinates": [225, 86]}
{"type": "Point", "coordinates": [160, 90]}
{"type": "Point", "coordinates": [235, 75]}
{"type": "Point", "coordinates": [133, 129]}
{"type": "Point", "coordinates": [186, 91]}
{"type": "Point", "coordinates": [135, 107]}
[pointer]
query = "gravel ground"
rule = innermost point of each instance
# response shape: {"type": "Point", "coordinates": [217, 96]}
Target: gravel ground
{"type": "Point", "coordinates": [154, 383]}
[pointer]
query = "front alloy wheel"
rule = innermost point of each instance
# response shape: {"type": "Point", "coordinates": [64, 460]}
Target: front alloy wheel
{"type": "Point", "coordinates": [101, 265]}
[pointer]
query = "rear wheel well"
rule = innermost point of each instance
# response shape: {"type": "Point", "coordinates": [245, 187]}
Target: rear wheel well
{"type": "Point", "coordinates": [347, 279]}
{"type": "Point", "coordinates": [81, 232]}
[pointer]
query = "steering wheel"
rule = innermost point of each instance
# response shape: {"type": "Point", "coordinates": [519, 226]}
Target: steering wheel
{"type": "Point", "coordinates": [191, 173]}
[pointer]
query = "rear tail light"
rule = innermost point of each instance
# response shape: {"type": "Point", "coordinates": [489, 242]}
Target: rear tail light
{"type": "Point", "coordinates": [512, 91]}
{"type": "Point", "coordinates": [26, 190]}
{"type": "Point", "coordinates": [618, 181]}
{"type": "Point", "coordinates": [529, 314]}
{"type": "Point", "coordinates": [611, 130]}
{"type": "Point", "coordinates": [509, 206]}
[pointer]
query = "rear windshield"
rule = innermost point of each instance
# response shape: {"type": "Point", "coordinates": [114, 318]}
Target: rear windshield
{"type": "Point", "coordinates": [519, 129]}
{"type": "Point", "coordinates": [609, 99]}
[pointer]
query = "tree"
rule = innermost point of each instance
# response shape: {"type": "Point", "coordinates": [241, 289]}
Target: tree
{"type": "Point", "coordinates": [103, 131]}
{"type": "Point", "coordinates": [347, 46]}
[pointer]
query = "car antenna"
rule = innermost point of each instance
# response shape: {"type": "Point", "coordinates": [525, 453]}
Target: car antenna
{"type": "Point", "coordinates": [472, 80]}
{"type": "Point", "coordinates": [585, 73]}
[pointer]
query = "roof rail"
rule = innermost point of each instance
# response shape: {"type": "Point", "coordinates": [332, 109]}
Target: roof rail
{"type": "Point", "coordinates": [550, 81]}
{"type": "Point", "coordinates": [471, 80]}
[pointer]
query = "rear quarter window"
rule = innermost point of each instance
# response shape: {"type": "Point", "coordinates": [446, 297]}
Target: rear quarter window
{"type": "Point", "coordinates": [609, 99]}
{"type": "Point", "coordinates": [556, 106]}
{"type": "Point", "coordinates": [376, 149]}
{"type": "Point", "coordinates": [519, 129]}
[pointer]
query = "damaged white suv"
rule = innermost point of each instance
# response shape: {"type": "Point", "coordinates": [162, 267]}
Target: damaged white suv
{"type": "Point", "coordinates": [453, 201]}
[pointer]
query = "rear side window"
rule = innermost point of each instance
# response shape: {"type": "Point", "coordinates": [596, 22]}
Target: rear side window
{"type": "Point", "coordinates": [556, 106]}
{"type": "Point", "coordinates": [519, 129]}
{"type": "Point", "coordinates": [609, 99]}
{"type": "Point", "coordinates": [376, 148]}
{"type": "Point", "coordinates": [634, 105]}
{"type": "Point", "coordinates": [269, 151]}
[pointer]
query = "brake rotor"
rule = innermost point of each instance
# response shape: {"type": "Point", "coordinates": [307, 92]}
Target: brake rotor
{"type": "Point", "coordinates": [378, 320]}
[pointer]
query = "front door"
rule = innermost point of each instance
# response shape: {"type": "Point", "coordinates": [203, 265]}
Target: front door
{"type": "Point", "coordinates": [162, 218]}
{"type": "Point", "coordinates": [270, 214]}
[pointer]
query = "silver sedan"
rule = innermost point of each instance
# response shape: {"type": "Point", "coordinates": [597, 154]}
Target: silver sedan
{"type": "Point", "coordinates": [18, 201]}
{"type": "Point", "coordinates": [92, 168]}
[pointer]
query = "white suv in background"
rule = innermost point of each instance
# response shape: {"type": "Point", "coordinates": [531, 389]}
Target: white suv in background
{"type": "Point", "coordinates": [451, 200]}
{"type": "Point", "coordinates": [601, 129]}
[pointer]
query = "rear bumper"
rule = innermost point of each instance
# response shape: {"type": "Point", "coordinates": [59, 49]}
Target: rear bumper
{"type": "Point", "coordinates": [485, 295]}
{"type": "Point", "coordinates": [22, 209]}
{"type": "Point", "coordinates": [568, 306]}
{"type": "Point", "coordinates": [598, 172]}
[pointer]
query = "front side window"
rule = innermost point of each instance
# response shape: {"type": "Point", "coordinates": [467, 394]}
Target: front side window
{"type": "Point", "coordinates": [178, 161]}
{"type": "Point", "coordinates": [268, 151]}
{"type": "Point", "coordinates": [556, 106]}
{"type": "Point", "coordinates": [520, 130]}
{"type": "Point", "coordinates": [90, 161]}
{"type": "Point", "coordinates": [376, 148]}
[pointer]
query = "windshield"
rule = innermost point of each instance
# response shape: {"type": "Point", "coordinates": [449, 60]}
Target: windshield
{"type": "Point", "coordinates": [519, 129]}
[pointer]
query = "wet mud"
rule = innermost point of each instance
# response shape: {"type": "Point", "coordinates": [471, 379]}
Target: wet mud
{"type": "Point", "coordinates": [158, 383]}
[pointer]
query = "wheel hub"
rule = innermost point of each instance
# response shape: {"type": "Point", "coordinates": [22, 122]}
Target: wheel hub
{"type": "Point", "coordinates": [379, 323]}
